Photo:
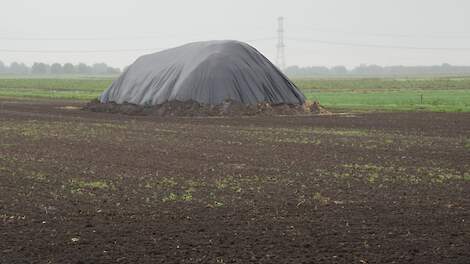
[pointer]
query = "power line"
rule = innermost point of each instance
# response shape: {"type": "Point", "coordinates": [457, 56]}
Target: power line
{"type": "Point", "coordinates": [151, 36]}
{"type": "Point", "coordinates": [327, 42]}
{"type": "Point", "coordinates": [76, 39]}
{"type": "Point", "coordinates": [325, 30]}
{"type": "Point", "coordinates": [364, 45]}
{"type": "Point", "coordinates": [103, 38]}
{"type": "Point", "coordinates": [76, 51]}
{"type": "Point", "coordinates": [105, 50]}
{"type": "Point", "coordinates": [260, 39]}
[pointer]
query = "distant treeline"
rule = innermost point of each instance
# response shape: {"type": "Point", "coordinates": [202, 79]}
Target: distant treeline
{"type": "Point", "coordinates": [39, 68]}
{"type": "Point", "coordinates": [379, 70]}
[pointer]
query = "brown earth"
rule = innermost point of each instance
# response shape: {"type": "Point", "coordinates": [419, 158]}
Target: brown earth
{"type": "Point", "coordinates": [84, 187]}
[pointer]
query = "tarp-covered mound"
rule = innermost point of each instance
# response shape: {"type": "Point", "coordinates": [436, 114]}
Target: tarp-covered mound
{"type": "Point", "coordinates": [208, 73]}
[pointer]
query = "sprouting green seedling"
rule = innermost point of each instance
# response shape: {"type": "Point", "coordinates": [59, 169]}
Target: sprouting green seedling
{"type": "Point", "coordinates": [170, 198]}
{"type": "Point", "coordinates": [318, 197]}
{"type": "Point", "coordinates": [78, 186]}
{"type": "Point", "coordinates": [466, 176]}
{"type": "Point", "coordinates": [187, 196]}
{"type": "Point", "coordinates": [37, 176]}
{"type": "Point", "coordinates": [167, 182]}
{"type": "Point", "coordinates": [467, 143]}
{"type": "Point", "coordinates": [372, 177]}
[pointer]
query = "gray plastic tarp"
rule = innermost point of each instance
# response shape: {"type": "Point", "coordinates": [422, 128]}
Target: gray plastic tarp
{"type": "Point", "coordinates": [207, 72]}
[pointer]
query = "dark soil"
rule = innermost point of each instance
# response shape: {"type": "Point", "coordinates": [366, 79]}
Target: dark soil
{"type": "Point", "coordinates": [85, 187]}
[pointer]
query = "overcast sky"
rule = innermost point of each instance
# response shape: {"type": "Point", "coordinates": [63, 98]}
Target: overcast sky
{"type": "Point", "coordinates": [318, 32]}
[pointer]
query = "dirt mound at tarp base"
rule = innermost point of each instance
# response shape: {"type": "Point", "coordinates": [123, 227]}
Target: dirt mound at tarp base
{"type": "Point", "coordinates": [193, 108]}
{"type": "Point", "coordinates": [316, 108]}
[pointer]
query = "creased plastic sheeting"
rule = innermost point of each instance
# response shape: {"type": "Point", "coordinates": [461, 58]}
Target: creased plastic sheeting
{"type": "Point", "coordinates": [206, 72]}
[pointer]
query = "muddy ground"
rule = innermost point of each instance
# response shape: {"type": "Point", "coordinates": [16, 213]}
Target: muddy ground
{"type": "Point", "coordinates": [82, 187]}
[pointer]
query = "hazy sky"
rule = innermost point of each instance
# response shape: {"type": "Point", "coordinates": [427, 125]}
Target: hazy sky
{"type": "Point", "coordinates": [318, 32]}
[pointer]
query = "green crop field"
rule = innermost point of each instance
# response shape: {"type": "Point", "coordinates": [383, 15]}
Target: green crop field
{"type": "Point", "coordinates": [59, 88]}
{"type": "Point", "coordinates": [429, 94]}
{"type": "Point", "coordinates": [449, 94]}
